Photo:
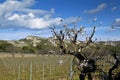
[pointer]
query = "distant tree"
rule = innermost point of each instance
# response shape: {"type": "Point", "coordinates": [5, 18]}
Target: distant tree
{"type": "Point", "coordinates": [7, 47]}
{"type": "Point", "coordinates": [28, 49]}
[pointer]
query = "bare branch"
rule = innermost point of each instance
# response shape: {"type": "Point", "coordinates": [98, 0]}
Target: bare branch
{"type": "Point", "coordinates": [89, 40]}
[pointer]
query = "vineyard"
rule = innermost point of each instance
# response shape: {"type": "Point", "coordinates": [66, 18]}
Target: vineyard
{"type": "Point", "coordinates": [43, 67]}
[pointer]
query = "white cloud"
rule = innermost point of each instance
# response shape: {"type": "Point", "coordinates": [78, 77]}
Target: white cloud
{"type": "Point", "coordinates": [42, 23]}
{"type": "Point", "coordinates": [71, 20]}
{"type": "Point", "coordinates": [116, 23]}
{"type": "Point", "coordinates": [114, 8]}
{"type": "Point", "coordinates": [96, 10]}
{"type": "Point", "coordinates": [15, 13]}
{"type": "Point", "coordinates": [13, 5]}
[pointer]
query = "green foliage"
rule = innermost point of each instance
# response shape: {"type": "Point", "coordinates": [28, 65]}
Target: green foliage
{"type": "Point", "coordinates": [6, 47]}
{"type": "Point", "coordinates": [28, 49]}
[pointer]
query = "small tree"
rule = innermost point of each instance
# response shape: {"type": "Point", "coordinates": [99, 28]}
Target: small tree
{"type": "Point", "coordinates": [7, 47]}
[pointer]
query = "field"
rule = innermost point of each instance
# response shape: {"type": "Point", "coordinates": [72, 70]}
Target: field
{"type": "Point", "coordinates": [41, 67]}
{"type": "Point", "coordinates": [32, 67]}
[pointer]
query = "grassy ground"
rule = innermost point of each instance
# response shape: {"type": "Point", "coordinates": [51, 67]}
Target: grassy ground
{"type": "Point", "coordinates": [41, 67]}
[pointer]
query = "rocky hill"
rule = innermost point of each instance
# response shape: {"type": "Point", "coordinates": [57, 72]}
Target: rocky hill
{"type": "Point", "coordinates": [39, 45]}
{"type": "Point", "coordinates": [29, 40]}
{"type": "Point", "coordinates": [30, 44]}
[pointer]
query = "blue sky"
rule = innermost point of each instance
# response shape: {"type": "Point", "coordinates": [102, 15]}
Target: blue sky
{"type": "Point", "coordinates": [20, 18]}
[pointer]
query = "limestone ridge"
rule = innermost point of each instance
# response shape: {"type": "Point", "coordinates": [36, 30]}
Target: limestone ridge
{"type": "Point", "coordinates": [31, 40]}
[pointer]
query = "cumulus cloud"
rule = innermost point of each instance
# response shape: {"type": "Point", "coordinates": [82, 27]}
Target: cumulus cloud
{"type": "Point", "coordinates": [96, 10]}
{"type": "Point", "coordinates": [16, 13]}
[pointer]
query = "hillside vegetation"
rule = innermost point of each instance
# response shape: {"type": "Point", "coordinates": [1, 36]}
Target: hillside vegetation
{"type": "Point", "coordinates": [30, 44]}
{"type": "Point", "coordinates": [38, 45]}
